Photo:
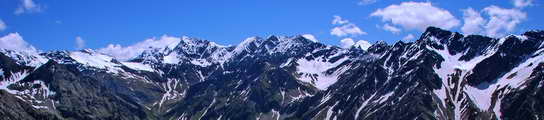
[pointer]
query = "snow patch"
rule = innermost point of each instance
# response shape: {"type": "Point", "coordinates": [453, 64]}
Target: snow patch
{"type": "Point", "coordinates": [207, 108]}
{"type": "Point", "coordinates": [44, 90]}
{"type": "Point", "coordinates": [96, 60]}
{"type": "Point", "coordinates": [171, 58]}
{"type": "Point", "coordinates": [275, 114]}
{"type": "Point", "coordinates": [34, 95]}
{"type": "Point", "coordinates": [363, 105]}
{"type": "Point", "coordinates": [286, 63]}
{"type": "Point", "coordinates": [314, 71]}
{"type": "Point", "coordinates": [385, 97]}
{"type": "Point", "coordinates": [448, 67]}
{"type": "Point", "coordinates": [514, 79]}
{"type": "Point", "coordinates": [14, 78]}
{"type": "Point", "coordinates": [138, 66]}
{"type": "Point", "coordinates": [330, 111]}
{"type": "Point", "coordinates": [170, 87]}
{"type": "Point", "coordinates": [27, 58]}
{"type": "Point", "coordinates": [201, 62]}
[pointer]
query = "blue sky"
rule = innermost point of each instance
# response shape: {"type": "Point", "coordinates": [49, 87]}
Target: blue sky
{"type": "Point", "coordinates": [55, 24]}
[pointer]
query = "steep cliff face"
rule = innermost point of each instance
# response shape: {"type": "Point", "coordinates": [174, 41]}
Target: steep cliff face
{"type": "Point", "coordinates": [442, 75]}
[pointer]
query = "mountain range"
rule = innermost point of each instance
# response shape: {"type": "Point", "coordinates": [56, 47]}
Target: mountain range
{"type": "Point", "coordinates": [443, 75]}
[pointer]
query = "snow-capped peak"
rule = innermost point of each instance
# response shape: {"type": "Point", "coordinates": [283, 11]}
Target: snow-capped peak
{"type": "Point", "coordinates": [190, 41]}
{"type": "Point", "coordinates": [197, 51]}
{"type": "Point", "coordinates": [90, 58]}
{"type": "Point", "coordinates": [362, 44]}
{"type": "Point", "coordinates": [27, 58]}
{"type": "Point", "coordinates": [244, 45]}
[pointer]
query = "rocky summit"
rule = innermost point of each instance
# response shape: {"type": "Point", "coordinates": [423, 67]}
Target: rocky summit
{"type": "Point", "coordinates": [442, 75]}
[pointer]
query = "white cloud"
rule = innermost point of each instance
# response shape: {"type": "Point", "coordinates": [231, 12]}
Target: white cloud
{"type": "Point", "coordinates": [14, 41]}
{"type": "Point", "coordinates": [522, 3]}
{"type": "Point", "coordinates": [391, 28]}
{"type": "Point", "coordinates": [310, 37]}
{"type": "Point", "coordinates": [408, 37]}
{"type": "Point", "coordinates": [80, 43]}
{"type": "Point", "coordinates": [128, 52]}
{"type": "Point", "coordinates": [28, 6]}
{"type": "Point", "coordinates": [338, 20]}
{"type": "Point", "coordinates": [3, 25]}
{"type": "Point", "coordinates": [345, 28]}
{"type": "Point", "coordinates": [349, 42]}
{"type": "Point", "coordinates": [473, 21]}
{"type": "Point", "coordinates": [417, 15]}
{"type": "Point", "coordinates": [502, 21]}
{"type": "Point", "coordinates": [346, 42]}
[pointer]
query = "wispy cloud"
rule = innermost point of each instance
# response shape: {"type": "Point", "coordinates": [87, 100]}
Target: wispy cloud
{"type": "Point", "coordinates": [127, 52]}
{"type": "Point", "coordinates": [367, 2]}
{"type": "Point", "coordinates": [80, 43]}
{"type": "Point", "coordinates": [3, 25]}
{"type": "Point", "coordinates": [522, 3]}
{"type": "Point", "coordinates": [346, 42]}
{"type": "Point", "coordinates": [391, 29]}
{"type": "Point", "coordinates": [348, 29]}
{"type": "Point", "coordinates": [338, 20]}
{"type": "Point", "coordinates": [409, 37]}
{"type": "Point", "coordinates": [345, 28]}
{"type": "Point", "coordinates": [28, 6]}
{"type": "Point", "coordinates": [502, 20]}
{"type": "Point", "coordinates": [472, 21]}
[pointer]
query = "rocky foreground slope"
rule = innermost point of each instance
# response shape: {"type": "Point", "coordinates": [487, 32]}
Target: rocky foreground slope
{"type": "Point", "coordinates": [442, 75]}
